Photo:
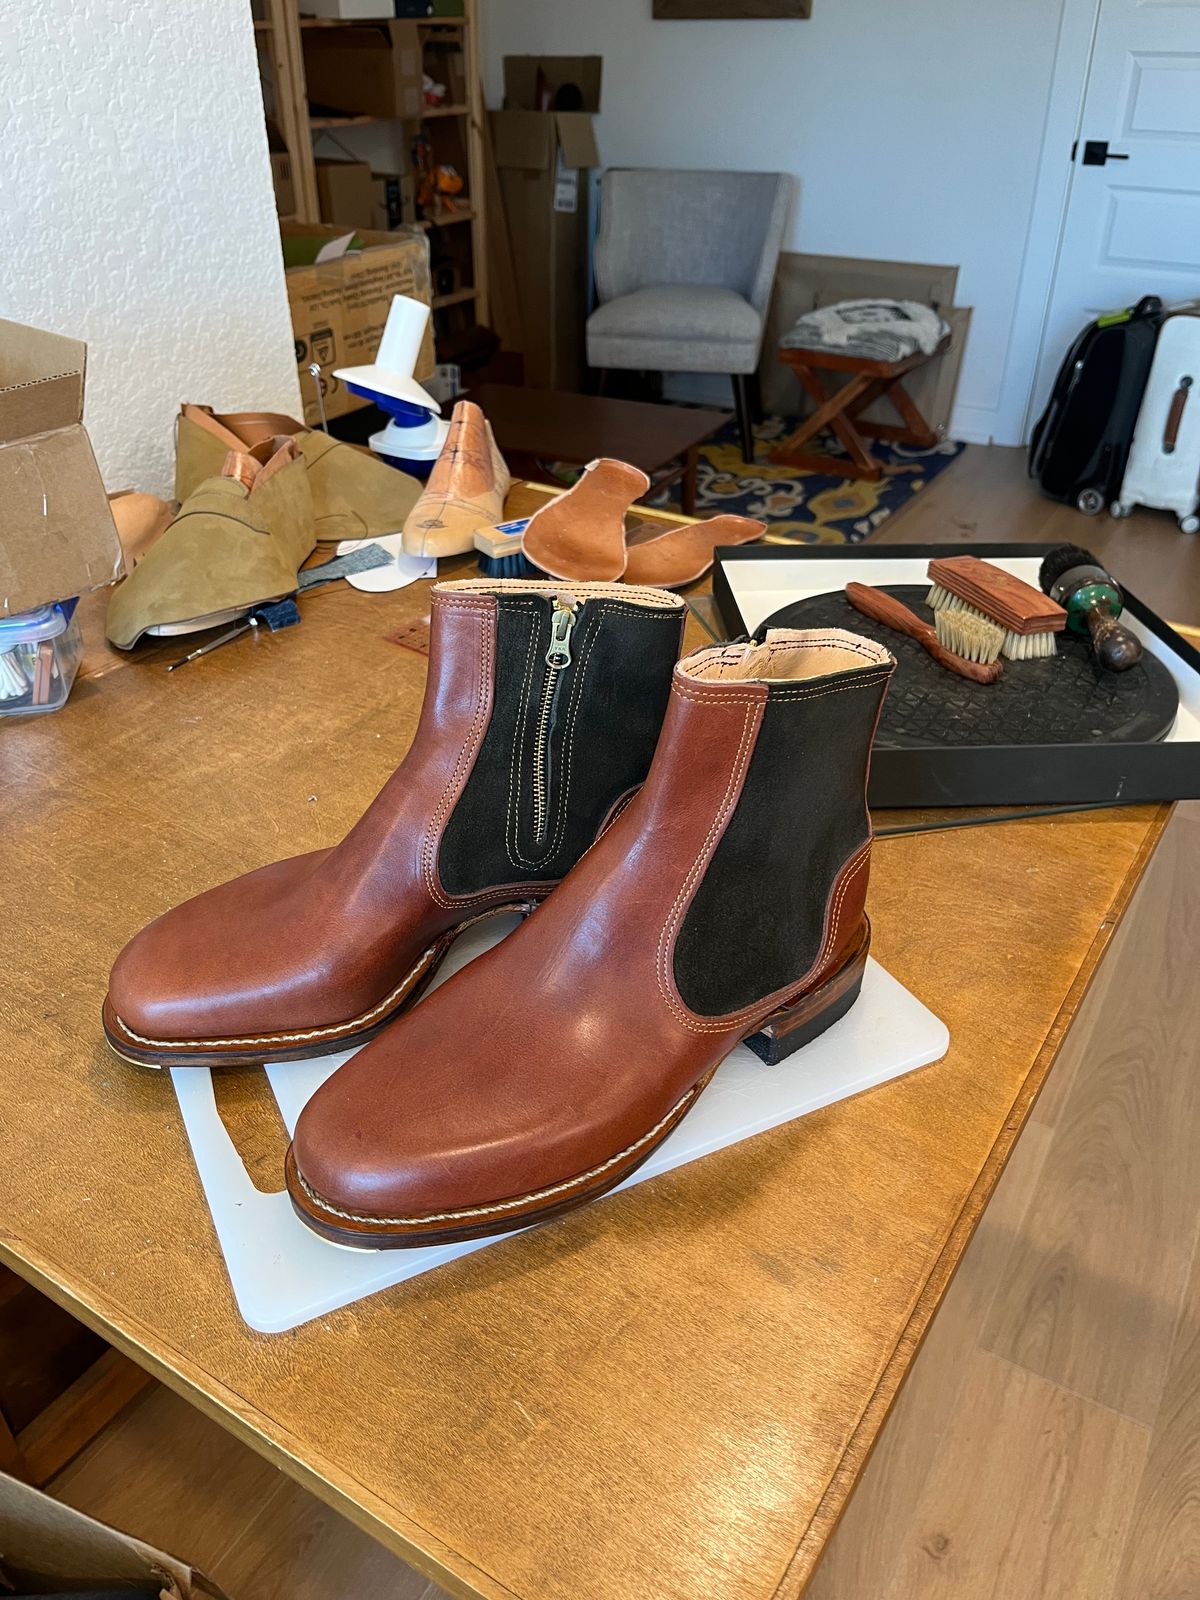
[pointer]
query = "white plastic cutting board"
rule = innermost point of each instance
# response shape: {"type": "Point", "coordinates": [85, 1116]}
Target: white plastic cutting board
{"type": "Point", "coordinates": [283, 1274]}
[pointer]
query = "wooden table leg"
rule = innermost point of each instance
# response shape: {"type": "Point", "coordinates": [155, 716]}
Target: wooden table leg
{"type": "Point", "coordinates": [12, 1460]}
{"type": "Point", "coordinates": [687, 484]}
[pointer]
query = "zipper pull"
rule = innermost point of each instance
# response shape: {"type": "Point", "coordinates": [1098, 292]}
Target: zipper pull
{"type": "Point", "coordinates": [562, 623]}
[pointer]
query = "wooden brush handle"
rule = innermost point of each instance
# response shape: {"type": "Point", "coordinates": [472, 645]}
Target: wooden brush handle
{"type": "Point", "coordinates": [885, 608]}
{"type": "Point", "coordinates": [1116, 648]}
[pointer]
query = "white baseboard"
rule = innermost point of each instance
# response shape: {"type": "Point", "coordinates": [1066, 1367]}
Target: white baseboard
{"type": "Point", "coordinates": [979, 425]}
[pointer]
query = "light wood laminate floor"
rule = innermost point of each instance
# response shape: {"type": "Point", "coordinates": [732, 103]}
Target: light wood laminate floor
{"type": "Point", "coordinates": [1047, 1442]}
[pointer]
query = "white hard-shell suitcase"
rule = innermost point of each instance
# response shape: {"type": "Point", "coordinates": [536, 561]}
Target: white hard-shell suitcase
{"type": "Point", "coordinates": [1163, 469]}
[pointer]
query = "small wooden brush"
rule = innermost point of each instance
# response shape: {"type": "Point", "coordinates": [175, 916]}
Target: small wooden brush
{"type": "Point", "coordinates": [1028, 618]}
{"type": "Point", "coordinates": [961, 643]}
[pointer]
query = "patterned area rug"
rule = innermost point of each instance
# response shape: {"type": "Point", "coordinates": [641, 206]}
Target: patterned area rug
{"type": "Point", "coordinates": [808, 507]}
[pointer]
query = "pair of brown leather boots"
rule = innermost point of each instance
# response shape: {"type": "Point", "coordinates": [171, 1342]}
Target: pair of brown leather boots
{"type": "Point", "coordinates": [688, 841]}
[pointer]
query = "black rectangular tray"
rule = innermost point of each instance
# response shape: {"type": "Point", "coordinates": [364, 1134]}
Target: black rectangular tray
{"type": "Point", "coordinates": [1052, 774]}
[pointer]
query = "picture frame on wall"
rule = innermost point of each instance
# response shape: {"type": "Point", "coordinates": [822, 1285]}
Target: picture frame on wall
{"type": "Point", "coordinates": [729, 10]}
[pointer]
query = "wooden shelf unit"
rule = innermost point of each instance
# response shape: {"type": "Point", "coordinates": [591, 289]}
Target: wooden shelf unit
{"type": "Point", "coordinates": [278, 32]}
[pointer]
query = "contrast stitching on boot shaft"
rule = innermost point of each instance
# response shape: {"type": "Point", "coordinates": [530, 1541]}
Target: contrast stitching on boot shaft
{"type": "Point", "coordinates": [639, 596]}
{"type": "Point", "coordinates": [511, 846]}
{"type": "Point", "coordinates": [741, 761]}
{"type": "Point", "coordinates": [833, 914]}
{"type": "Point", "coordinates": [766, 1004]}
{"type": "Point", "coordinates": [514, 854]}
{"type": "Point", "coordinates": [778, 695]}
{"type": "Point", "coordinates": [466, 755]}
{"type": "Point", "coordinates": [602, 609]}
{"type": "Point", "coordinates": [501, 1206]}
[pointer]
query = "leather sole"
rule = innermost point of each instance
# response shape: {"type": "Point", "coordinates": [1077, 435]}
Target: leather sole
{"type": "Point", "coordinates": [255, 1050]}
{"type": "Point", "coordinates": [777, 1037]}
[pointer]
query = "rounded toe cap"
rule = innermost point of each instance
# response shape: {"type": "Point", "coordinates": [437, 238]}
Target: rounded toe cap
{"type": "Point", "coordinates": [150, 990]}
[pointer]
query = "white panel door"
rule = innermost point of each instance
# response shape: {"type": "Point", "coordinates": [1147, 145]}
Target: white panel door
{"type": "Point", "coordinates": [1133, 212]}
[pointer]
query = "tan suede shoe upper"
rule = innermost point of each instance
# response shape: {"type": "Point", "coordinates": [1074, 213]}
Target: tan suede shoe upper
{"type": "Point", "coordinates": [233, 545]}
{"type": "Point", "coordinates": [354, 494]}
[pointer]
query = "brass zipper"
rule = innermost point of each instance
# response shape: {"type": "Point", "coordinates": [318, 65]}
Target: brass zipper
{"type": "Point", "coordinates": [558, 659]}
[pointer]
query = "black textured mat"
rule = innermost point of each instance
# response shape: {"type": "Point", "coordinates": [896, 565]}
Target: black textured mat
{"type": "Point", "coordinates": [1060, 699]}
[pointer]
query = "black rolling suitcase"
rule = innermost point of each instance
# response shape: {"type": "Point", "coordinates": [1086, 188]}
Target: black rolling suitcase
{"type": "Point", "coordinates": [1079, 447]}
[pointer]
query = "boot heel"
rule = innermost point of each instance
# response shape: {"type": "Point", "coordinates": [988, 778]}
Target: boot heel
{"type": "Point", "coordinates": [790, 1029]}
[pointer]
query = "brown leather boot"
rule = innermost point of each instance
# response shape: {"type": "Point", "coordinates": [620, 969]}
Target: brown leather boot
{"type": "Point", "coordinates": [726, 903]}
{"type": "Point", "coordinates": [542, 709]}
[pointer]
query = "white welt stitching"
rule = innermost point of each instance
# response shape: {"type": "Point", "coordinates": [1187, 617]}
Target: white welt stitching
{"type": "Point", "coordinates": [505, 1205]}
{"type": "Point", "coordinates": [328, 1032]}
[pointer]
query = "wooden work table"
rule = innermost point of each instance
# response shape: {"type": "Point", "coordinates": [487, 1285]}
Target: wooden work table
{"type": "Point", "coordinates": [668, 1394]}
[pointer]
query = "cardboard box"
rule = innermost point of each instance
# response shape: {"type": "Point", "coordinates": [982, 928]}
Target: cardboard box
{"type": "Point", "coordinates": [58, 538]}
{"type": "Point", "coordinates": [339, 307]}
{"type": "Point", "coordinates": [452, 67]}
{"type": "Point", "coordinates": [281, 178]}
{"type": "Point", "coordinates": [50, 1547]}
{"type": "Point", "coordinates": [542, 158]}
{"type": "Point", "coordinates": [394, 196]}
{"type": "Point", "coordinates": [345, 193]}
{"type": "Point", "coordinates": [525, 77]}
{"type": "Point", "coordinates": [372, 70]}
{"type": "Point", "coordinates": [804, 282]}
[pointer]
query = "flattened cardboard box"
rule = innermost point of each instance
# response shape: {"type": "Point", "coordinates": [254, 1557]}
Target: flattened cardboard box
{"type": "Point", "coordinates": [345, 192]}
{"type": "Point", "coordinates": [59, 538]}
{"type": "Point", "coordinates": [805, 282]}
{"type": "Point", "coordinates": [339, 308]}
{"type": "Point", "coordinates": [46, 1546]}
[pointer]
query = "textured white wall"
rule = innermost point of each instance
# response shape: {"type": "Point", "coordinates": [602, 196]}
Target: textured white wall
{"type": "Point", "coordinates": [136, 212]}
{"type": "Point", "coordinates": [915, 130]}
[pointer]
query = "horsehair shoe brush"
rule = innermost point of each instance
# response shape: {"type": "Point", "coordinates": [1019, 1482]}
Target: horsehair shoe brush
{"type": "Point", "coordinates": [1029, 619]}
{"type": "Point", "coordinates": [1093, 601]}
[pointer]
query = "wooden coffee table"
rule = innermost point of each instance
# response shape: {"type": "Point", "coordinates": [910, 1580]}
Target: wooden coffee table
{"type": "Point", "coordinates": [534, 425]}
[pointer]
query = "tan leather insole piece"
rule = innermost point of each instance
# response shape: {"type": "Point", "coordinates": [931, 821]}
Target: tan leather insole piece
{"type": "Point", "coordinates": [787, 655]}
{"type": "Point", "coordinates": [681, 555]}
{"type": "Point", "coordinates": [581, 534]}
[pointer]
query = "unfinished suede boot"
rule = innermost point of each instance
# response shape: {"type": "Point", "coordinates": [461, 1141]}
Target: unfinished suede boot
{"type": "Point", "coordinates": [681, 555]}
{"type": "Point", "coordinates": [239, 540]}
{"type": "Point", "coordinates": [725, 904]}
{"type": "Point", "coordinates": [465, 492]}
{"type": "Point", "coordinates": [581, 534]}
{"type": "Point", "coordinates": [141, 520]}
{"type": "Point", "coordinates": [354, 494]}
{"type": "Point", "coordinates": [542, 710]}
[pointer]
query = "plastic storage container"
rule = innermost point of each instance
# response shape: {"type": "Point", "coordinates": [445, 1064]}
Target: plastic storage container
{"type": "Point", "coordinates": [39, 657]}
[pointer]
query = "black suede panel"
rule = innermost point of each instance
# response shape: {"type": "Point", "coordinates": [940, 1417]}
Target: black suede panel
{"type": "Point", "coordinates": [757, 919]}
{"type": "Point", "coordinates": [608, 708]}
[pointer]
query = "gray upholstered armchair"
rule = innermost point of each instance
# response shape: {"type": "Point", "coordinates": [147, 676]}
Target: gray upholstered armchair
{"type": "Point", "coordinates": [684, 267]}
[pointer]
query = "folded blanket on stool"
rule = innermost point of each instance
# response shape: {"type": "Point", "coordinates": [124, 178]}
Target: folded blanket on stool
{"type": "Point", "coordinates": [877, 330]}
